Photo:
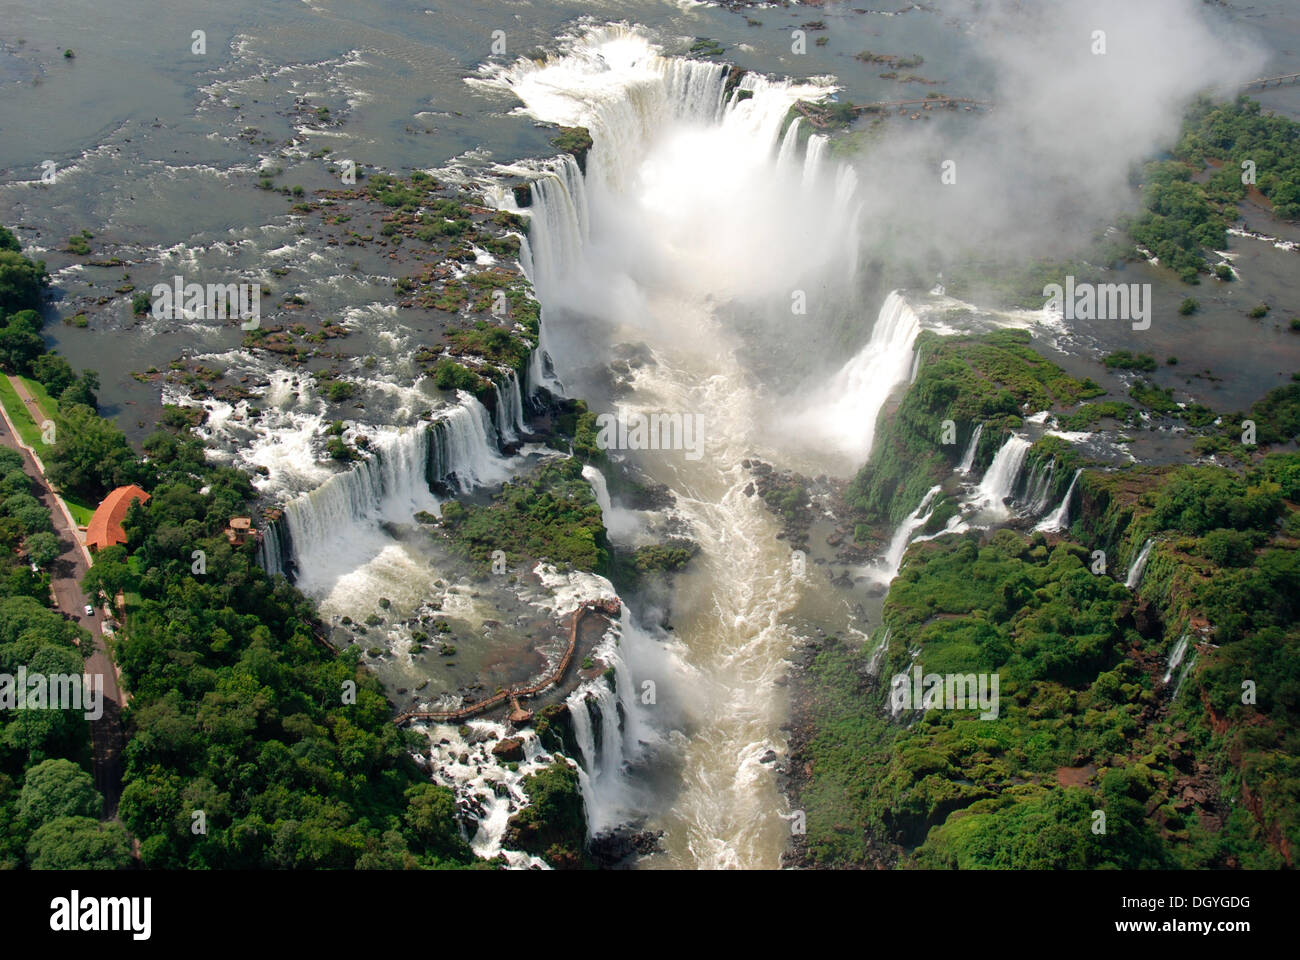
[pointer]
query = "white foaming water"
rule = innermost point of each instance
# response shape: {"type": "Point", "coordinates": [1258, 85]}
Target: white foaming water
{"type": "Point", "coordinates": [620, 524]}
{"type": "Point", "coordinates": [887, 569]}
{"type": "Point", "coordinates": [968, 459]}
{"type": "Point", "coordinates": [1059, 518]}
{"type": "Point", "coordinates": [1176, 657]}
{"type": "Point", "coordinates": [687, 218]}
{"type": "Point", "coordinates": [878, 654]}
{"type": "Point", "coordinates": [335, 531]}
{"type": "Point", "coordinates": [1134, 577]}
{"type": "Point", "coordinates": [1000, 479]}
{"type": "Point", "coordinates": [843, 413]}
{"type": "Point", "coordinates": [1039, 487]}
{"type": "Point", "coordinates": [510, 410]}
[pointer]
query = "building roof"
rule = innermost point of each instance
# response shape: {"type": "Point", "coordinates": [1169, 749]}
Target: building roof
{"type": "Point", "coordinates": [105, 527]}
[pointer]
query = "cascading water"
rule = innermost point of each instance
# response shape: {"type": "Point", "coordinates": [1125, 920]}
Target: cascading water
{"type": "Point", "coordinates": [686, 224]}
{"type": "Point", "coordinates": [336, 528]}
{"type": "Point", "coordinates": [878, 654]}
{"type": "Point", "coordinates": [1039, 487]}
{"type": "Point", "coordinates": [968, 459]}
{"type": "Point", "coordinates": [509, 420]}
{"type": "Point", "coordinates": [1135, 572]}
{"type": "Point", "coordinates": [620, 524]}
{"type": "Point", "coordinates": [1175, 657]}
{"type": "Point", "coordinates": [610, 727]}
{"type": "Point", "coordinates": [463, 451]}
{"type": "Point", "coordinates": [887, 569]}
{"type": "Point", "coordinates": [843, 413]}
{"type": "Point", "coordinates": [1059, 519]}
{"type": "Point", "coordinates": [999, 483]}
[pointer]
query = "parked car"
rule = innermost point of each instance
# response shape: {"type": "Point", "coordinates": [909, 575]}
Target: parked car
{"type": "Point", "coordinates": [35, 568]}
{"type": "Point", "coordinates": [90, 611]}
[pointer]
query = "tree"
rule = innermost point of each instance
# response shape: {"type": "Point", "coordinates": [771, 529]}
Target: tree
{"type": "Point", "coordinates": [84, 390]}
{"type": "Point", "coordinates": [54, 372]}
{"type": "Point", "coordinates": [431, 818]}
{"type": "Point", "coordinates": [34, 519]}
{"type": "Point", "coordinates": [19, 346]}
{"type": "Point", "coordinates": [58, 788]}
{"type": "Point", "coordinates": [79, 843]}
{"type": "Point", "coordinates": [109, 574]}
{"type": "Point", "coordinates": [91, 455]}
{"type": "Point", "coordinates": [21, 282]}
{"type": "Point", "coordinates": [42, 548]}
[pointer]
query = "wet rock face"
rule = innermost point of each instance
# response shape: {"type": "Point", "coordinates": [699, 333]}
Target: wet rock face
{"type": "Point", "coordinates": [509, 750]}
{"type": "Point", "coordinates": [618, 846]}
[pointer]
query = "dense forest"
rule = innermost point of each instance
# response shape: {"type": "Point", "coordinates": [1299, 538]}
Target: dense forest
{"type": "Point", "coordinates": [251, 743]}
{"type": "Point", "coordinates": [1190, 200]}
{"type": "Point", "coordinates": [1189, 752]}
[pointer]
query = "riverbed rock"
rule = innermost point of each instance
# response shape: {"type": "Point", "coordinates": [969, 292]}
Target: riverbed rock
{"type": "Point", "coordinates": [509, 750]}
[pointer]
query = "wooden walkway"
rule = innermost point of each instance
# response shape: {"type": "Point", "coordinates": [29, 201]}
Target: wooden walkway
{"type": "Point", "coordinates": [1272, 81]}
{"type": "Point", "coordinates": [610, 607]}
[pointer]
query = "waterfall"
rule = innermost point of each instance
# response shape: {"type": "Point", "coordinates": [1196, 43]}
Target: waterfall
{"type": "Point", "coordinates": [968, 459]}
{"type": "Point", "coordinates": [878, 655]}
{"type": "Point", "coordinates": [686, 234]}
{"type": "Point", "coordinates": [789, 143]}
{"type": "Point", "coordinates": [1060, 517]}
{"type": "Point", "coordinates": [510, 410]}
{"type": "Point", "coordinates": [1176, 657]}
{"type": "Point", "coordinates": [463, 452]}
{"type": "Point", "coordinates": [887, 569]}
{"type": "Point", "coordinates": [620, 524]}
{"type": "Point", "coordinates": [336, 527]}
{"type": "Point", "coordinates": [812, 158]}
{"type": "Point", "coordinates": [559, 228]}
{"type": "Point", "coordinates": [843, 412]}
{"type": "Point", "coordinates": [609, 728]}
{"type": "Point", "coordinates": [1182, 675]}
{"type": "Point", "coordinates": [1139, 565]}
{"type": "Point", "coordinates": [999, 483]}
{"type": "Point", "coordinates": [1039, 487]}
{"type": "Point", "coordinates": [271, 551]}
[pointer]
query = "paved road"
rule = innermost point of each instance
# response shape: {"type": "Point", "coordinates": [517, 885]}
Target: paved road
{"type": "Point", "coordinates": [106, 732]}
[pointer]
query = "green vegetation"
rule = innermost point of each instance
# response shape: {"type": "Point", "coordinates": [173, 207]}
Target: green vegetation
{"type": "Point", "coordinates": [1091, 414]}
{"type": "Point", "coordinates": [1086, 721]}
{"type": "Point", "coordinates": [44, 754]}
{"type": "Point", "coordinates": [1124, 360]}
{"type": "Point", "coordinates": [240, 710]}
{"type": "Point", "coordinates": [553, 825]}
{"type": "Point", "coordinates": [987, 379]}
{"type": "Point", "coordinates": [1186, 212]}
{"type": "Point", "coordinates": [577, 142]}
{"type": "Point", "coordinates": [550, 515]}
{"type": "Point", "coordinates": [661, 557]}
{"type": "Point", "coordinates": [706, 47]}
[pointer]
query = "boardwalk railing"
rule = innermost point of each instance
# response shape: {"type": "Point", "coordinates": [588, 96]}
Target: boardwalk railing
{"type": "Point", "coordinates": [1272, 81]}
{"type": "Point", "coordinates": [609, 607]}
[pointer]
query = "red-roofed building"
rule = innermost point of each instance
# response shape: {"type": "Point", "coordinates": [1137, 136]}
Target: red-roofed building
{"type": "Point", "coordinates": [105, 528]}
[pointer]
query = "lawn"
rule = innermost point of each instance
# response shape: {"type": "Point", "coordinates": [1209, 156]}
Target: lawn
{"type": "Point", "coordinates": [30, 432]}
{"type": "Point", "coordinates": [17, 410]}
